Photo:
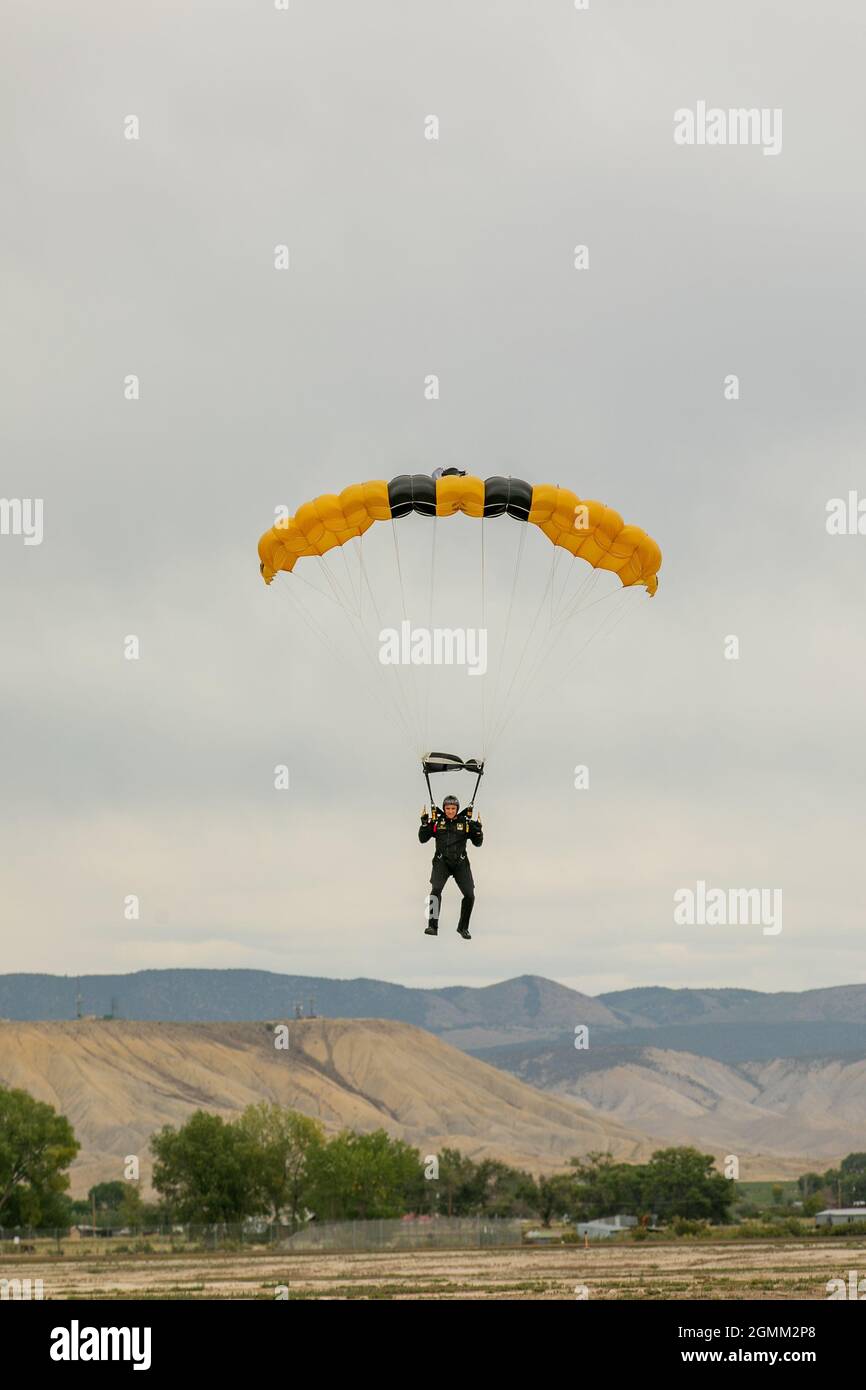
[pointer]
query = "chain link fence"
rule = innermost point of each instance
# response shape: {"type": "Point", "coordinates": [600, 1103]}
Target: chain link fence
{"type": "Point", "coordinates": [420, 1233]}
{"type": "Point", "coordinates": [441, 1233]}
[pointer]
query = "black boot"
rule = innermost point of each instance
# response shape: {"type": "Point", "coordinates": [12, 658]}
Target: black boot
{"type": "Point", "coordinates": [431, 929]}
{"type": "Point", "coordinates": [465, 913]}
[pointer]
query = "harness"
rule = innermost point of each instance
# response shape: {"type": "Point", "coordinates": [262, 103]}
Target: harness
{"type": "Point", "coordinates": [449, 762]}
{"type": "Point", "coordinates": [453, 852]}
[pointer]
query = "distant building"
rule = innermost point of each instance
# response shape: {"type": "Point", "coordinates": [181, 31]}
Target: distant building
{"type": "Point", "coordinates": [605, 1226]}
{"type": "Point", "coordinates": [840, 1216]}
{"type": "Point", "coordinates": [542, 1237]}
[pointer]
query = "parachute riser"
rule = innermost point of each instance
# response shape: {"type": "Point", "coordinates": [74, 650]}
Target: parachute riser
{"type": "Point", "coordinates": [475, 767]}
{"type": "Point", "coordinates": [475, 792]}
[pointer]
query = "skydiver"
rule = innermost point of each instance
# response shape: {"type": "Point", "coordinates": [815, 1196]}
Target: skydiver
{"type": "Point", "coordinates": [451, 836]}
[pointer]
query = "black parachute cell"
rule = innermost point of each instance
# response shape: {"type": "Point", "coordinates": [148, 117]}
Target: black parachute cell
{"type": "Point", "coordinates": [412, 492]}
{"type": "Point", "coordinates": [424, 494]}
{"type": "Point", "coordinates": [400, 495]}
{"type": "Point", "coordinates": [511, 495]}
{"type": "Point", "coordinates": [519, 499]}
{"type": "Point", "coordinates": [495, 496]}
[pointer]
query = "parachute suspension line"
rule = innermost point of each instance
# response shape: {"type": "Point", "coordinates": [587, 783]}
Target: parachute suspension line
{"type": "Point", "coordinates": [576, 603]}
{"type": "Point", "coordinates": [483, 681]}
{"type": "Point", "coordinates": [584, 569]}
{"type": "Point", "coordinates": [298, 578]}
{"type": "Point", "coordinates": [349, 580]}
{"type": "Point", "coordinates": [294, 600]}
{"type": "Point", "coordinates": [339, 597]}
{"type": "Point", "coordinates": [617, 612]}
{"type": "Point", "coordinates": [356, 582]}
{"type": "Point", "coordinates": [553, 586]}
{"type": "Point", "coordinates": [547, 648]}
{"type": "Point", "coordinates": [531, 632]}
{"type": "Point", "coordinates": [622, 603]}
{"type": "Point", "coordinates": [412, 682]}
{"type": "Point", "coordinates": [501, 662]}
{"type": "Point", "coordinates": [367, 585]}
{"type": "Point", "coordinates": [406, 712]}
{"type": "Point", "coordinates": [564, 585]}
{"type": "Point", "coordinates": [349, 616]}
{"type": "Point", "coordinates": [428, 685]}
{"type": "Point", "coordinates": [335, 584]}
{"type": "Point", "coordinates": [474, 796]}
{"type": "Point", "coordinates": [544, 652]}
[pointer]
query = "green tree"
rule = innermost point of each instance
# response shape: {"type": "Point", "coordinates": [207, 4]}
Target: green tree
{"type": "Point", "coordinates": [133, 1211]}
{"type": "Point", "coordinates": [283, 1142]}
{"type": "Point", "coordinates": [603, 1187]}
{"type": "Point", "coordinates": [489, 1188]}
{"type": "Point", "coordinates": [809, 1184]}
{"type": "Point", "coordinates": [107, 1196]}
{"type": "Point", "coordinates": [557, 1196]}
{"type": "Point", "coordinates": [852, 1170]}
{"type": "Point", "coordinates": [205, 1171]}
{"type": "Point", "coordinates": [359, 1177]}
{"type": "Point", "coordinates": [36, 1147]}
{"type": "Point", "coordinates": [681, 1182]}
{"type": "Point", "coordinates": [461, 1185]}
{"type": "Point", "coordinates": [510, 1192]}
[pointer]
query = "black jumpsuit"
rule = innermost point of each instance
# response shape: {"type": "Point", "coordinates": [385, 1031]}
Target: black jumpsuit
{"type": "Point", "coordinates": [451, 839]}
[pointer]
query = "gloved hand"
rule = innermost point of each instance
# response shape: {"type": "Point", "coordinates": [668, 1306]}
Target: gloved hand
{"type": "Point", "coordinates": [424, 815]}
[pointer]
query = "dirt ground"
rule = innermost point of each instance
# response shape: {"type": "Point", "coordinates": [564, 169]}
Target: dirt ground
{"type": "Point", "coordinates": [757, 1270]}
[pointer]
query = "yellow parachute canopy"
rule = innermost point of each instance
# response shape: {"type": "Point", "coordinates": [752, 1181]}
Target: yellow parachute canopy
{"type": "Point", "coordinates": [588, 529]}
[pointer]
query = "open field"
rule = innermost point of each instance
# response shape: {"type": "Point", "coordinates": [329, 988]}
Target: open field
{"type": "Point", "coordinates": [791, 1270]}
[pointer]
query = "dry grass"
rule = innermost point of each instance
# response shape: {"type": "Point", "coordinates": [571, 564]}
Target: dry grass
{"type": "Point", "coordinates": [789, 1270]}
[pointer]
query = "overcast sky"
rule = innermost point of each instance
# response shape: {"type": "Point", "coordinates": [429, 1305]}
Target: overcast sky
{"type": "Point", "coordinates": [259, 387]}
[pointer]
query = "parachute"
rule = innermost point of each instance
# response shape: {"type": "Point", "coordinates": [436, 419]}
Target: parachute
{"type": "Point", "coordinates": [419, 669]}
{"type": "Point", "coordinates": [450, 762]}
{"type": "Point", "coordinates": [601, 537]}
